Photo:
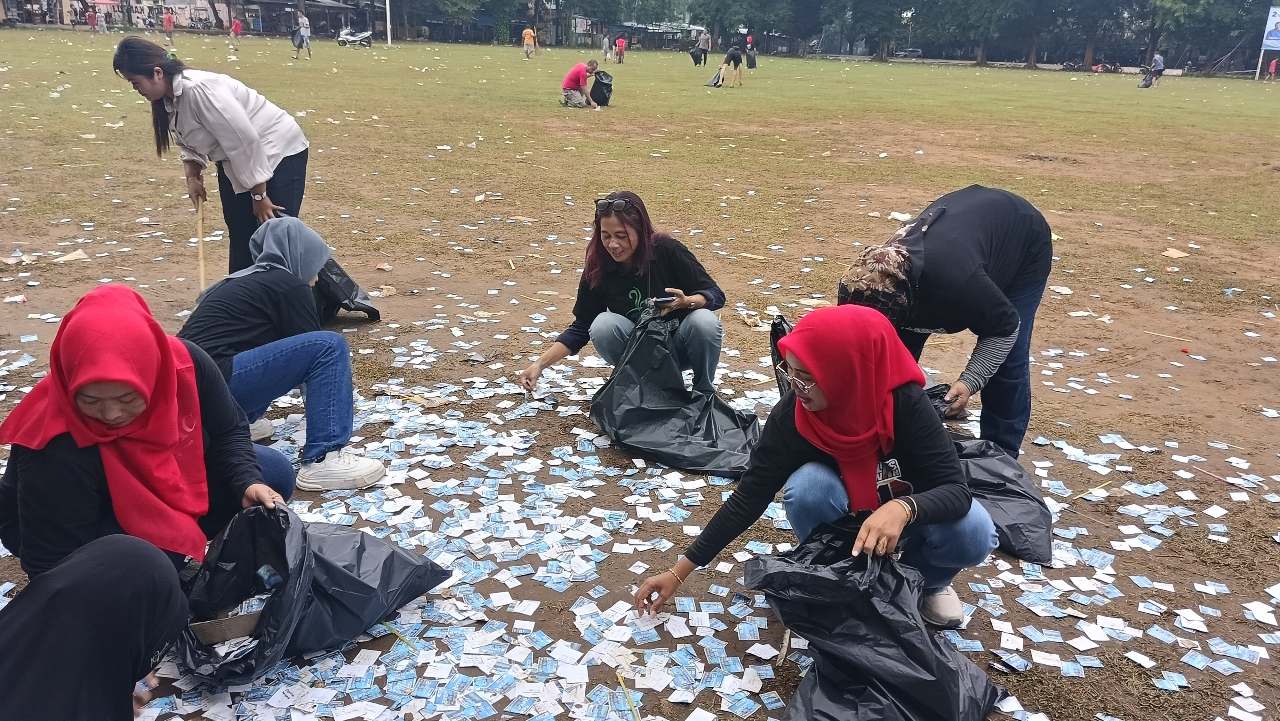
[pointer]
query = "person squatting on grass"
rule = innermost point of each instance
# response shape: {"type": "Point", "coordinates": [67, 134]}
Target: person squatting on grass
{"type": "Point", "coordinates": [856, 399]}
{"type": "Point", "coordinates": [260, 152]}
{"type": "Point", "coordinates": [976, 259]}
{"type": "Point", "coordinates": [573, 90]}
{"type": "Point", "coordinates": [628, 263]}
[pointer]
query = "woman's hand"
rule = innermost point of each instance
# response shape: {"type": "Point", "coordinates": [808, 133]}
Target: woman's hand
{"type": "Point", "coordinates": [195, 188]}
{"type": "Point", "coordinates": [260, 494]}
{"type": "Point", "coordinates": [958, 397]}
{"type": "Point", "coordinates": [681, 302]}
{"type": "Point", "coordinates": [528, 377]}
{"type": "Point", "coordinates": [265, 209]}
{"type": "Point", "coordinates": [654, 593]}
{"type": "Point", "coordinates": [881, 531]}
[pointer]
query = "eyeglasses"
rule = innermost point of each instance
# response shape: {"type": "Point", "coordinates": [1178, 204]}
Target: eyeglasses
{"type": "Point", "coordinates": [606, 206]}
{"type": "Point", "coordinates": [802, 386]}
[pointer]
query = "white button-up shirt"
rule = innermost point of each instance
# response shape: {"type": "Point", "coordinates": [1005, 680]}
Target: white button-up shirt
{"type": "Point", "coordinates": [215, 117]}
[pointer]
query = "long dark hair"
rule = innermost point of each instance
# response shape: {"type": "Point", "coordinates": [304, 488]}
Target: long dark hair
{"type": "Point", "coordinates": [636, 217]}
{"type": "Point", "coordinates": [135, 56]}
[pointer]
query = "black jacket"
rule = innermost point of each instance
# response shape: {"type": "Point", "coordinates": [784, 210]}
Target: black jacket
{"type": "Point", "coordinates": [55, 500]}
{"type": "Point", "coordinates": [924, 453]}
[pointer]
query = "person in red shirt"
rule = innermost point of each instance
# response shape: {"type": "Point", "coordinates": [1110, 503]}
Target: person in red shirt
{"type": "Point", "coordinates": [168, 25]}
{"type": "Point", "coordinates": [236, 28]}
{"type": "Point", "coordinates": [91, 19]}
{"type": "Point", "coordinates": [621, 50]}
{"type": "Point", "coordinates": [574, 87]}
{"type": "Point", "coordinates": [1271, 69]}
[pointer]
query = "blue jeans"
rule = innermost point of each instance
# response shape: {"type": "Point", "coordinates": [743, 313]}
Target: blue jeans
{"type": "Point", "coordinates": [277, 471]}
{"type": "Point", "coordinates": [318, 360]}
{"type": "Point", "coordinates": [697, 343]}
{"type": "Point", "coordinates": [814, 495]}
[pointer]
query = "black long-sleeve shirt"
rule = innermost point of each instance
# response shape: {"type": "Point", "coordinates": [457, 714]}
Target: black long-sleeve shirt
{"type": "Point", "coordinates": [620, 291]}
{"type": "Point", "coordinates": [55, 500]}
{"type": "Point", "coordinates": [924, 452]}
{"type": "Point", "coordinates": [241, 314]}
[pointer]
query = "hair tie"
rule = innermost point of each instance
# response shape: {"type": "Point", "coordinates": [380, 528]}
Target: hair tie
{"type": "Point", "coordinates": [171, 54]}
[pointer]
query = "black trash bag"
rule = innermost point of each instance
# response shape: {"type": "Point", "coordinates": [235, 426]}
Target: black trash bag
{"type": "Point", "coordinates": [751, 59]}
{"type": "Point", "coordinates": [1147, 80]}
{"type": "Point", "coordinates": [358, 580]}
{"type": "Point", "coordinates": [645, 407]}
{"type": "Point", "coordinates": [1023, 521]}
{"type": "Point", "coordinates": [602, 88]}
{"type": "Point", "coordinates": [696, 54]}
{"type": "Point", "coordinates": [715, 80]}
{"type": "Point", "coordinates": [335, 290]}
{"type": "Point", "coordinates": [777, 331]}
{"type": "Point", "coordinates": [937, 395]}
{"type": "Point", "coordinates": [328, 584]}
{"type": "Point", "coordinates": [874, 658]}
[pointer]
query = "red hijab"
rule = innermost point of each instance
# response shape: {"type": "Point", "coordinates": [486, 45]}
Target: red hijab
{"type": "Point", "coordinates": [155, 465]}
{"type": "Point", "coordinates": [857, 360]}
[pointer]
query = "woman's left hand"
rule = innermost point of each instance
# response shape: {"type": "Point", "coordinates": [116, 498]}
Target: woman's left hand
{"type": "Point", "coordinates": [681, 302]}
{"type": "Point", "coordinates": [881, 531]}
{"type": "Point", "coordinates": [958, 397]}
{"type": "Point", "coordinates": [260, 494]}
{"type": "Point", "coordinates": [265, 209]}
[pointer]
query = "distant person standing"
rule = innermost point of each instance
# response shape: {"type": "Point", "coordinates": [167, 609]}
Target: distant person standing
{"type": "Point", "coordinates": [91, 19]}
{"type": "Point", "coordinates": [236, 29]}
{"type": "Point", "coordinates": [574, 87]}
{"type": "Point", "coordinates": [168, 25]}
{"type": "Point", "coordinates": [704, 46]}
{"type": "Point", "coordinates": [259, 150]}
{"type": "Point", "coordinates": [608, 48]}
{"type": "Point", "coordinates": [530, 42]}
{"type": "Point", "coordinates": [304, 36]}
{"type": "Point", "coordinates": [102, 22]}
{"type": "Point", "coordinates": [1157, 69]}
{"type": "Point", "coordinates": [620, 48]}
{"type": "Point", "coordinates": [1272, 68]}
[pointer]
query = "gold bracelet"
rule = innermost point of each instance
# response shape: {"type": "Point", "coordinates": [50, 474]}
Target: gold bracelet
{"type": "Point", "coordinates": [672, 571]}
{"type": "Point", "coordinates": [906, 507]}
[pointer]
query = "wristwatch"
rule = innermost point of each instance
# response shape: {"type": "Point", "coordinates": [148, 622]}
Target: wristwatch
{"type": "Point", "coordinates": [258, 196]}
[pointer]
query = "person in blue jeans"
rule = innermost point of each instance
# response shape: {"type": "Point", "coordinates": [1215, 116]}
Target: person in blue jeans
{"type": "Point", "coordinates": [131, 432]}
{"type": "Point", "coordinates": [262, 328]}
{"type": "Point", "coordinates": [628, 264]}
{"type": "Point", "coordinates": [855, 433]}
{"type": "Point", "coordinates": [976, 259]}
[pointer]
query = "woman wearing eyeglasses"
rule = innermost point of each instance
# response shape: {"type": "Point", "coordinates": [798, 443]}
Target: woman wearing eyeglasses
{"type": "Point", "coordinates": [855, 434]}
{"type": "Point", "coordinates": [629, 263]}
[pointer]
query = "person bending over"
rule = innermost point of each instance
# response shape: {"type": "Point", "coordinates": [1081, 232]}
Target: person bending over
{"type": "Point", "coordinates": [629, 263]}
{"type": "Point", "coordinates": [976, 259]}
{"type": "Point", "coordinates": [132, 431]}
{"type": "Point", "coordinates": [261, 327]}
{"type": "Point", "coordinates": [574, 88]}
{"type": "Point", "coordinates": [856, 399]}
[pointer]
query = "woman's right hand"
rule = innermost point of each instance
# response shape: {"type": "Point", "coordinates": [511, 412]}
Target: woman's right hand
{"type": "Point", "coordinates": [654, 593]}
{"type": "Point", "coordinates": [528, 377]}
{"type": "Point", "coordinates": [195, 188]}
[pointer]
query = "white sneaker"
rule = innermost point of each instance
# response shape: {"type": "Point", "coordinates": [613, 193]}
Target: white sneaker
{"type": "Point", "coordinates": [942, 609]}
{"type": "Point", "coordinates": [340, 471]}
{"type": "Point", "coordinates": [261, 430]}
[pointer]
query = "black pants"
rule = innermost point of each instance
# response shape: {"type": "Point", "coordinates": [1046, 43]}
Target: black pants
{"type": "Point", "coordinates": [79, 636]}
{"type": "Point", "coordinates": [285, 189]}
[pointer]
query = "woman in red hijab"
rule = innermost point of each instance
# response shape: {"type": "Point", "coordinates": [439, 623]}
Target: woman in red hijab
{"type": "Point", "coordinates": [132, 431]}
{"type": "Point", "coordinates": [856, 433]}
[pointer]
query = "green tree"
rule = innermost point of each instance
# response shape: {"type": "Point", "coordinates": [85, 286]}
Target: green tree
{"type": "Point", "coordinates": [876, 21]}
{"type": "Point", "coordinates": [1091, 19]}
{"type": "Point", "coordinates": [971, 21]}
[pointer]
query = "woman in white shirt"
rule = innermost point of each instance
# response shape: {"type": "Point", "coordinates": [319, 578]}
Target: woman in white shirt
{"type": "Point", "coordinates": [260, 151]}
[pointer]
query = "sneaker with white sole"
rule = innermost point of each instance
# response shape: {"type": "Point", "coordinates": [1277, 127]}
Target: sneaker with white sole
{"type": "Point", "coordinates": [340, 471]}
{"type": "Point", "coordinates": [261, 430]}
{"type": "Point", "coordinates": [942, 609]}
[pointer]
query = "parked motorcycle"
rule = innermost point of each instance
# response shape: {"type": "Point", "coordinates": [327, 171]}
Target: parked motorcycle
{"type": "Point", "coordinates": [347, 37]}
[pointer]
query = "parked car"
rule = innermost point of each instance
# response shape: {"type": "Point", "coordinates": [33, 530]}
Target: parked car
{"type": "Point", "coordinates": [910, 53]}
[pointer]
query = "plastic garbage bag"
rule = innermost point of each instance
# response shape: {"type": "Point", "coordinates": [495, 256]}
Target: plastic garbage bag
{"type": "Point", "coordinates": [874, 658]}
{"type": "Point", "coordinates": [778, 330]}
{"type": "Point", "coordinates": [696, 54]}
{"type": "Point", "coordinates": [645, 407]}
{"type": "Point", "coordinates": [752, 55]}
{"type": "Point", "coordinates": [716, 80]}
{"type": "Point", "coordinates": [602, 88]}
{"type": "Point", "coordinates": [336, 290]}
{"type": "Point", "coordinates": [325, 585]}
{"type": "Point", "coordinates": [1023, 521]}
{"type": "Point", "coordinates": [937, 395]}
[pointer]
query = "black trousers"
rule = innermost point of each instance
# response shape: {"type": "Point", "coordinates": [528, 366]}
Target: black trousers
{"type": "Point", "coordinates": [285, 189]}
{"type": "Point", "coordinates": [80, 635]}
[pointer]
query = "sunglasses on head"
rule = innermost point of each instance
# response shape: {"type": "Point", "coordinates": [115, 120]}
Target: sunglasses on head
{"type": "Point", "coordinates": [608, 207]}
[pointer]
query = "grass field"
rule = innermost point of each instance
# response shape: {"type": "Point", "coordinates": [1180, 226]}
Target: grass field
{"type": "Point", "coordinates": [455, 168]}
